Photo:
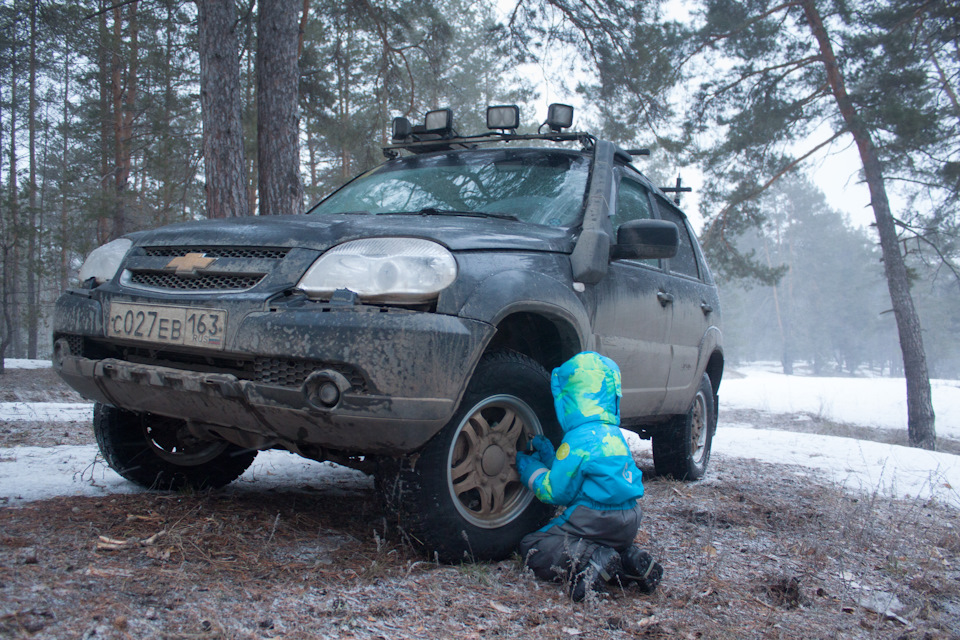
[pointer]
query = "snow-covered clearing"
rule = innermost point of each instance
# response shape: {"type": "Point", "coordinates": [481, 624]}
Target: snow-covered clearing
{"type": "Point", "coordinates": [33, 473]}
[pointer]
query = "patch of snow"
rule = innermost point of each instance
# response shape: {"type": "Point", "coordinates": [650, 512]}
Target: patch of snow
{"type": "Point", "coordinates": [36, 473]}
{"type": "Point", "coordinates": [46, 411]}
{"type": "Point", "coordinates": [33, 473]}
{"type": "Point", "coordinates": [858, 465]}
{"type": "Point", "coordinates": [869, 402]}
{"type": "Point", "coordinates": [23, 363]}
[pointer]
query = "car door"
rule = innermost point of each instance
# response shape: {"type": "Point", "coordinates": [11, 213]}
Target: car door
{"type": "Point", "coordinates": [630, 322]}
{"type": "Point", "coordinates": [688, 297]}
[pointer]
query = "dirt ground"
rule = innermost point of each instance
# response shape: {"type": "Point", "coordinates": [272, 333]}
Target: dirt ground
{"type": "Point", "coordinates": [754, 551]}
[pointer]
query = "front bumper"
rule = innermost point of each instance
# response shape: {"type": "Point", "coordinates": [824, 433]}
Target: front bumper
{"type": "Point", "coordinates": [401, 374]}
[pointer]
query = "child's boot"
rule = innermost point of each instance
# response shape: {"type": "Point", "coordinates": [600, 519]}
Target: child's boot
{"type": "Point", "coordinates": [603, 565]}
{"type": "Point", "coordinates": [640, 567]}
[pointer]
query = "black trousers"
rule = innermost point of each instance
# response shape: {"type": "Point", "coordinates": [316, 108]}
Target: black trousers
{"type": "Point", "coordinates": [564, 548]}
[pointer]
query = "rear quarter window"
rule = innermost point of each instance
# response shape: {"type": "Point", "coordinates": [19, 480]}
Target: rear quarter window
{"type": "Point", "coordinates": [685, 262]}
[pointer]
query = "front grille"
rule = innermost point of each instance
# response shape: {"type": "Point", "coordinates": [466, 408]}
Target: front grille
{"type": "Point", "coordinates": [289, 372]}
{"type": "Point", "coordinates": [217, 252]}
{"type": "Point", "coordinates": [202, 282]}
{"type": "Point", "coordinates": [75, 343]}
{"type": "Point", "coordinates": [281, 372]}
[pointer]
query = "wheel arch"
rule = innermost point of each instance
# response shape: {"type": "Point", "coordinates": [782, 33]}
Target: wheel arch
{"type": "Point", "coordinates": [534, 314]}
{"type": "Point", "coordinates": [550, 340]}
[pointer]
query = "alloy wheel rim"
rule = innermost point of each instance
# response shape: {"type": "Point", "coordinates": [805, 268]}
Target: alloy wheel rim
{"type": "Point", "coordinates": [481, 475]}
{"type": "Point", "coordinates": [171, 440]}
{"type": "Point", "coordinates": [698, 428]}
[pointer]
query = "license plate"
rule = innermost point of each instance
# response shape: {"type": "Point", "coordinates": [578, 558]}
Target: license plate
{"type": "Point", "coordinates": [167, 324]}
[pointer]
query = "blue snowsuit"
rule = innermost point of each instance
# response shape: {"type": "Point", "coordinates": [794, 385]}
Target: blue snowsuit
{"type": "Point", "coordinates": [592, 473]}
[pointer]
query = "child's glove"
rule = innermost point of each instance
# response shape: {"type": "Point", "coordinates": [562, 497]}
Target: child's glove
{"type": "Point", "coordinates": [527, 465]}
{"type": "Point", "coordinates": [543, 450]}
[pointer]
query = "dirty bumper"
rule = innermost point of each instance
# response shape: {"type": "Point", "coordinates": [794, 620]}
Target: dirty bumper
{"type": "Point", "coordinates": [400, 409]}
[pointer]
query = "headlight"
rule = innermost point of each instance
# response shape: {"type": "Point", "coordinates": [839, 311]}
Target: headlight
{"type": "Point", "coordinates": [103, 262]}
{"type": "Point", "coordinates": [382, 270]}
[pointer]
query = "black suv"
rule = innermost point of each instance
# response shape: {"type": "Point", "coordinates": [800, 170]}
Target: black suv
{"type": "Point", "coordinates": [405, 326]}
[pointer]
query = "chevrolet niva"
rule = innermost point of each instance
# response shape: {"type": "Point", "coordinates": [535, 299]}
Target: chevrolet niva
{"type": "Point", "coordinates": [405, 326]}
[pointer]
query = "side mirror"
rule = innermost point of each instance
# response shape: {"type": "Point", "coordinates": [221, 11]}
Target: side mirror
{"type": "Point", "coordinates": [642, 239]}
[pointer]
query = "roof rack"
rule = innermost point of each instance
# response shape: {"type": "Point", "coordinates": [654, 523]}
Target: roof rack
{"type": "Point", "coordinates": [427, 142]}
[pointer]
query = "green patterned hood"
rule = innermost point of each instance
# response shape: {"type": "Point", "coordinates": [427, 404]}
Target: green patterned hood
{"type": "Point", "coordinates": [586, 388]}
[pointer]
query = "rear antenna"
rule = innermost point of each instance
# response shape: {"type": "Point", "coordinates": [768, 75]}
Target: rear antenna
{"type": "Point", "coordinates": [677, 190]}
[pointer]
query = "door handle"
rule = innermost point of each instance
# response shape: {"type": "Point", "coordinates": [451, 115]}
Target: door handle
{"type": "Point", "coordinates": [664, 298]}
{"type": "Point", "coordinates": [707, 309]}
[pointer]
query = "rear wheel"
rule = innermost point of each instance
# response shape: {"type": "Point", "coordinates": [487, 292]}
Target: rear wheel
{"type": "Point", "coordinates": [462, 496]}
{"type": "Point", "coordinates": [160, 453]}
{"type": "Point", "coordinates": [682, 448]}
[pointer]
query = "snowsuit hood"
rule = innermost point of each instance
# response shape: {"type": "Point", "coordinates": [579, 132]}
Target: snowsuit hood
{"type": "Point", "coordinates": [586, 388]}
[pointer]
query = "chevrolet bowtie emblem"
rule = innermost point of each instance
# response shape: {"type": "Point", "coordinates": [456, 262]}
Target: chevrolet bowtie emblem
{"type": "Point", "coordinates": [189, 264]}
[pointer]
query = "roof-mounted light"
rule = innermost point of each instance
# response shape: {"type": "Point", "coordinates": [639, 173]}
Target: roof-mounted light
{"type": "Point", "coordinates": [503, 117]}
{"type": "Point", "coordinates": [439, 121]}
{"type": "Point", "coordinates": [559, 116]}
{"type": "Point", "coordinates": [401, 128]}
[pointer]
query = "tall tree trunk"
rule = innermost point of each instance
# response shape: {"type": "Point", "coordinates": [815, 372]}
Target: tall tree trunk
{"type": "Point", "coordinates": [920, 416]}
{"type": "Point", "coordinates": [64, 200]}
{"type": "Point", "coordinates": [104, 48]}
{"type": "Point", "coordinates": [12, 241]}
{"type": "Point", "coordinates": [31, 235]}
{"type": "Point", "coordinates": [252, 168]}
{"type": "Point", "coordinates": [223, 161]}
{"type": "Point", "coordinates": [124, 98]}
{"type": "Point", "coordinates": [278, 131]}
{"type": "Point", "coordinates": [6, 322]}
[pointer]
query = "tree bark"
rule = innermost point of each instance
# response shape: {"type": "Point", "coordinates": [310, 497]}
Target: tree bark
{"type": "Point", "coordinates": [920, 416]}
{"type": "Point", "coordinates": [278, 131]}
{"type": "Point", "coordinates": [124, 94]}
{"type": "Point", "coordinates": [106, 123]}
{"type": "Point", "coordinates": [31, 236]}
{"type": "Point", "coordinates": [223, 160]}
{"type": "Point", "coordinates": [64, 266]}
{"type": "Point", "coordinates": [11, 240]}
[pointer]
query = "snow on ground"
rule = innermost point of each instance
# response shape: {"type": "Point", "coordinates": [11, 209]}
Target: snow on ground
{"type": "Point", "coordinates": [22, 363]}
{"type": "Point", "coordinates": [46, 411]}
{"type": "Point", "coordinates": [868, 402]}
{"type": "Point", "coordinates": [35, 473]}
{"type": "Point", "coordinates": [32, 473]}
{"type": "Point", "coordinates": [858, 465]}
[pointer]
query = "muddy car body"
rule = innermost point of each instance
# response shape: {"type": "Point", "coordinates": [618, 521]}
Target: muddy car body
{"type": "Point", "coordinates": [404, 326]}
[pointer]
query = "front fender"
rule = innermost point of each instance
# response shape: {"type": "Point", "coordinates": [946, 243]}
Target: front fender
{"type": "Point", "coordinates": [508, 292]}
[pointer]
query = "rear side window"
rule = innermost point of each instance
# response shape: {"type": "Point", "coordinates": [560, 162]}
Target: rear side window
{"type": "Point", "coordinates": [633, 203]}
{"type": "Point", "coordinates": [685, 262]}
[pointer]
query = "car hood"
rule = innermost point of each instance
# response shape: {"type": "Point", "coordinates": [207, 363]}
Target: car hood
{"type": "Point", "coordinates": [457, 233]}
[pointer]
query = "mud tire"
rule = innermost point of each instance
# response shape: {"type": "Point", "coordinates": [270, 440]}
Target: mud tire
{"type": "Point", "coordinates": [133, 445]}
{"type": "Point", "coordinates": [427, 492]}
{"type": "Point", "coordinates": [682, 448]}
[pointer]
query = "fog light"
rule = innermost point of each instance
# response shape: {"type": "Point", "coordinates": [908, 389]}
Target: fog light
{"type": "Point", "coordinates": [329, 395]}
{"type": "Point", "coordinates": [324, 389]}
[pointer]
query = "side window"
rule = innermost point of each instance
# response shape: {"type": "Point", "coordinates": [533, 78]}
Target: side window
{"type": "Point", "coordinates": [685, 262]}
{"type": "Point", "coordinates": [633, 203]}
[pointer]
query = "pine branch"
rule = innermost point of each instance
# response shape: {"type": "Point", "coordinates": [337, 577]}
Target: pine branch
{"type": "Point", "coordinates": [711, 40]}
{"type": "Point", "coordinates": [783, 171]}
{"type": "Point", "coordinates": [793, 65]}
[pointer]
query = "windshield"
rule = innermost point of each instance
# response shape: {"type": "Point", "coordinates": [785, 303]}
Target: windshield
{"type": "Point", "coordinates": [532, 185]}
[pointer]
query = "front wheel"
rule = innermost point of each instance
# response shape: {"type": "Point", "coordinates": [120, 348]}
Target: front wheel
{"type": "Point", "coordinates": [462, 496]}
{"type": "Point", "coordinates": [160, 453]}
{"type": "Point", "coordinates": [682, 448]}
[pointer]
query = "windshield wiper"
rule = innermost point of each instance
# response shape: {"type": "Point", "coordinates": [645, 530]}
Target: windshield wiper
{"type": "Point", "coordinates": [433, 211]}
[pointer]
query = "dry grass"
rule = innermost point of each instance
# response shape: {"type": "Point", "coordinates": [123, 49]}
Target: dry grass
{"type": "Point", "coordinates": [755, 552]}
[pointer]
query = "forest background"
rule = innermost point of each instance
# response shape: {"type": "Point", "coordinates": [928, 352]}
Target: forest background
{"type": "Point", "coordinates": [102, 133]}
